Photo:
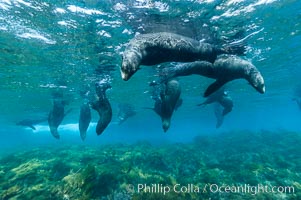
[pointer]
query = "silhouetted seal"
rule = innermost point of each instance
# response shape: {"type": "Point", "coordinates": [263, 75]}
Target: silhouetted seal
{"type": "Point", "coordinates": [156, 48]}
{"type": "Point", "coordinates": [223, 104]}
{"type": "Point", "coordinates": [84, 119]}
{"type": "Point", "coordinates": [102, 106]}
{"type": "Point", "coordinates": [221, 97]}
{"type": "Point", "coordinates": [56, 116]}
{"type": "Point", "coordinates": [125, 111]}
{"type": "Point", "coordinates": [224, 69]}
{"type": "Point", "coordinates": [31, 122]}
{"type": "Point", "coordinates": [169, 97]}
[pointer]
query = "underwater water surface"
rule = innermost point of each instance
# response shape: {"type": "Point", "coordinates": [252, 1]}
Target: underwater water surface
{"type": "Point", "coordinates": [65, 47]}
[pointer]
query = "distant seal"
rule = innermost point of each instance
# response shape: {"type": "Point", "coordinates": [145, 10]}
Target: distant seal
{"type": "Point", "coordinates": [84, 119]}
{"type": "Point", "coordinates": [126, 111]}
{"type": "Point", "coordinates": [102, 106]}
{"type": "Point", "coordinates": [220, 97]}
{"type": "Point", "coordinates": [31, 122]}
{"type": "Point", "coordinates": [56, 116]}
{"type": "Point", "coordinates": [156, 48]}
{"type": "Point", "coordinates": [224, 69]}
{"type": "Point", "coordinates": [169, 97]}
{"type": "Point", "coordinates": [223, 104]}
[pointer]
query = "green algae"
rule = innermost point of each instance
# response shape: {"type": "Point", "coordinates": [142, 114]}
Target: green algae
{"type": "Point", "coordinates": [105, 172]}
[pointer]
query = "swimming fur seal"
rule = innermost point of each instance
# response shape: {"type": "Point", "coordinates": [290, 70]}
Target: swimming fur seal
{"type": "Point", "coordinates": [84, 119]}
{"type": "Point", "coordinates": [169, 97]}
{"type": "Point", "coordinates": [102, 106]}
{"type": "Point", "coordinates": [31, 122]}
{"type": "Point", "coordinates": [56, 116]}
{"type": "Point", "coordinates": [157, 88]}
{"type": "Point", "coordinates": [221, 97]}
{"type": "Point", "coordinates": [156, 48]}
{"type": "Point", "coordinates": [125, 111]}
{"type": "Point", "coordinates": [223, 104]}
{"type": "Point", "coordinates": [224, 69]}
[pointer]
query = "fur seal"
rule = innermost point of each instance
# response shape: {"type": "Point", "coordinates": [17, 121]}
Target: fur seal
{"type": "Point", "coordinates": [169, 97]}
{"type": "Point", "coordinates": [224, 69]}
{"type": "Point", "coordinates": [102, 106]}
{"type": "Point", "coordinates": [84, 119]}
{"type": "Point", "coordinates": [31, 122]}
{"type": "Point", "coordinates": [223, 104]}
{"type": "Point", "coordinates": [56, 116]}
{"type": "Point", "coordinates": [156, 48]}
{"type": "Point", "coordinates": [221, 97]}
{"type": "Point", "coordinates": [125, 111]}
{"type": "Point", "coordinates": [157, 88]}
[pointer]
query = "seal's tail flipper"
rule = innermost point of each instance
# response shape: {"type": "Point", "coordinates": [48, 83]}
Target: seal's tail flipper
{"type": "Point", "coordinates": [214, 87]}
{"type": "Point", "coordinates": [32, 127]}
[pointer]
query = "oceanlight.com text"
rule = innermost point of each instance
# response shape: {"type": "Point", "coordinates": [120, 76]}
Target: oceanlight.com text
{"type": "Point", "coordinates": [250, 189]}
{"type": "Point", "coordinates": [209, 188]}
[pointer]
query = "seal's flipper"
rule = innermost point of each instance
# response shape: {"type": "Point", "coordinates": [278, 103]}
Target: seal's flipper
{"type": "Point", "coordinates": [226, 111]}
{"type": "Point", "coordinates": [31, 126]}
{"type": "Point", "coordinates": [214, 87]}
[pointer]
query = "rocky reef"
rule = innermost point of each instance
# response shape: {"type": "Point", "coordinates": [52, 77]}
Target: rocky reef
{"type": "Point", "coordinates": [171, 171]}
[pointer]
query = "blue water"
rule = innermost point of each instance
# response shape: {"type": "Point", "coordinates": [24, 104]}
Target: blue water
{"type": "Point", "coordinates": [59, 45]}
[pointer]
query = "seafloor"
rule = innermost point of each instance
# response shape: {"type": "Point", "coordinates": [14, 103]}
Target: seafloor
{"type": "Point", "coordinates": [114, 171]}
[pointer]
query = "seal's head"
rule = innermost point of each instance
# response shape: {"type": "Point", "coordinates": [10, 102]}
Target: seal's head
{"type": "Point", "coordinates": [256, 80]}
{"type": "Point", "coordinates": [130, 64]}
{"type": "Point", "coordinates": [165, 124]}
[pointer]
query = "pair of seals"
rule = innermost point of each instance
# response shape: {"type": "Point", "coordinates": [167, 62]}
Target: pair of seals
{"type": "Point", "coordinates": [102, 106]}
{"type": "Point", "coordinates": [224, 69]}
{"type": "Point", "coordinates": [156, 48]}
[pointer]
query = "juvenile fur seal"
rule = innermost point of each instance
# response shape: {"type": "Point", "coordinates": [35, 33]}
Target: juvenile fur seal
{"type": "Point", "coordinates": [223, 104]}
{"type": "Point", "coordinates": [224, 69]}
{"type": "Point", "coordinates": [56, 116]}
{"type": "Point", "coordinates": [31, 122]}
{"type": "Point", "coordinates": [156, 48]}
{"type": "Point", "coordinates": [125, 111]}
{"type": "Point", "coordinates": [102, 106]}
{"type": "Point", "coordinates": [84, 119]}
{"type": "Point", "coordinates": [220, 97]}
{"type": "Point", "coordinates": [157, 88]}
{"type": "Point", "coordinates": [169, 96]}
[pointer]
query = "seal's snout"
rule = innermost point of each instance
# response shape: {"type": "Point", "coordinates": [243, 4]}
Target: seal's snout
{"type": "Point", "coordinates": [262, 90]}
{"type": "Point", "coordinates": [124, 76]}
